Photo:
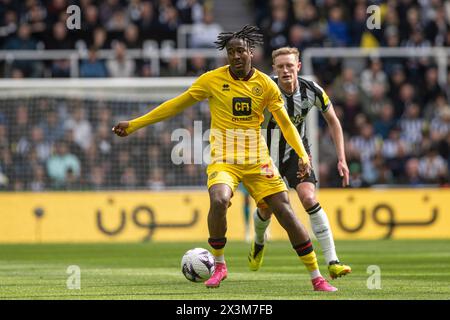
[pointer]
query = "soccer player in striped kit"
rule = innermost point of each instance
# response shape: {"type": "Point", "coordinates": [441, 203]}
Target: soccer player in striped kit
{"type": "Point", "coordinates": [299, 96]}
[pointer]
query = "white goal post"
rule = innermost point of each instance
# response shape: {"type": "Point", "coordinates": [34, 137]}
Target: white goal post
{"type": "Point", "coordinates": [151, 89]}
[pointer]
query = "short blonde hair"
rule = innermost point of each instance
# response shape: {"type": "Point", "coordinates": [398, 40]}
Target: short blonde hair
{"type": "Point", "coordinates": [285, 50]}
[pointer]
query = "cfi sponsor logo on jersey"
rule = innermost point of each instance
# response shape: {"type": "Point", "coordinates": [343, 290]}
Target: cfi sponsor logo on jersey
{"type": "Point", "coordinates": [242, 106]}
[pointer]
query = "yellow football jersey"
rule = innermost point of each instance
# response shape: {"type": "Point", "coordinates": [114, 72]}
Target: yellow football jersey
{"type": "Point", "coordinates": [237, 107]}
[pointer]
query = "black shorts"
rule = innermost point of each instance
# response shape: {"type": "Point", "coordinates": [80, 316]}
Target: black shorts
{"type": "Point", "coordinates": [289, 170]}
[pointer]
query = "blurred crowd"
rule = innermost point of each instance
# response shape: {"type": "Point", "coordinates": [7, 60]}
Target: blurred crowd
{"type": "Point", "coordinates": [67, 144]}
{"type": "Point", "coordinates": [333, 23]}
{"type": "Point", "coordinates": [108, 24]}
{"type": "Point", "coordinates": [395, 112]}
{"type": "Point", "coordinates": [396, 126]}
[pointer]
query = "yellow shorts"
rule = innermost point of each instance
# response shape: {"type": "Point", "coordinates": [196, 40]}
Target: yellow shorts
{"type": "Point", "coordinates": [261, 180]}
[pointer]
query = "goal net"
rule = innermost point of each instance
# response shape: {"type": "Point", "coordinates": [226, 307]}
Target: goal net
{"type": "Point", "coordinates": [56, 135]}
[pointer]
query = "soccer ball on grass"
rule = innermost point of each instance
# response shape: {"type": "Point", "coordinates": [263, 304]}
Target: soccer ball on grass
{"type": "Point", "coordinates": [198, 265]}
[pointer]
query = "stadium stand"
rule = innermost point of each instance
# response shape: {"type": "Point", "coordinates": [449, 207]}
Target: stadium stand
{"type": "Point", "coordinates": [395, 111]}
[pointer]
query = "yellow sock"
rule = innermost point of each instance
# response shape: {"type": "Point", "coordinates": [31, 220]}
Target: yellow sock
{"type": "Point", "coordinates": [218, 255]}
{"type": "Point", "coordinates": [217, 248]}
{"type": "Point", "coordinates": [217, 252]}
{"type": "Point", "coordinates": [310, 262]}
{"type": "Point", "coordinates": [306, 253]}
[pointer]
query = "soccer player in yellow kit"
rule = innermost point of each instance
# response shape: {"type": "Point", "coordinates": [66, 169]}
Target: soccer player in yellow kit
{"type": "Point", "coordinates": [238, 94]}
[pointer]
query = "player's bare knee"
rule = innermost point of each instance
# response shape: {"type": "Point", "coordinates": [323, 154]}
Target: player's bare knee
{"type": "Point", "coordinates": [220, 203]}
{"type": "Point", "coordinates": [265, 213]}
{"type": "Point", "coordinates": [308, 200]}
{"type": "Point", "coordinates": [307, 195]}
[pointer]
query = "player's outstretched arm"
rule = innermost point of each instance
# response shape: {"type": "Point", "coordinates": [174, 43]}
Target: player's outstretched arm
{"type": "Point", "coordinates": [292, 137]}
{"type": "Point", "coordinates": [165, 110]}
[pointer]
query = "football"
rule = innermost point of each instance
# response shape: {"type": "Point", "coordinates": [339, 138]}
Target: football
{"type": "Point", "coordinates": [197, 264]}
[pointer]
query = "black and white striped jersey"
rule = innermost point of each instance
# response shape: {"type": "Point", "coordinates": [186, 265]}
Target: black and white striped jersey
{"type": "Point", "coordinates": [307, 95]}
{"type": "Point", "coordinates": [412, 129]}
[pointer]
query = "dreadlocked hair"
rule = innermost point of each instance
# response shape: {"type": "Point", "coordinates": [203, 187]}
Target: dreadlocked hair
{"type": "Point", "coordinates": [248, 33]}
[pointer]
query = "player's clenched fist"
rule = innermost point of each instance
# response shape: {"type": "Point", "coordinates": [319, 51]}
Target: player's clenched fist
{"type": "Point", "coordinates": [304, 169]}
{"type": "Point", "coordinates": [120, 128]}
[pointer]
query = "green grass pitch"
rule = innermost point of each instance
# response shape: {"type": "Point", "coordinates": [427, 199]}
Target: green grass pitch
{"type": "Point", "coordinates": [415, 269]}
